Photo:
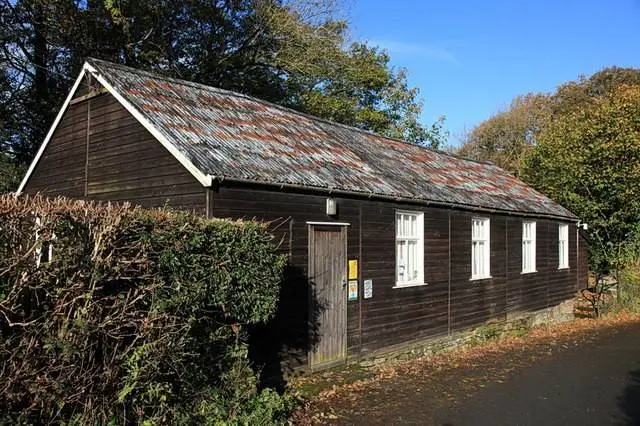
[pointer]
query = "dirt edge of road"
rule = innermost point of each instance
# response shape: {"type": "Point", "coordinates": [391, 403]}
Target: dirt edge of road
{"type": "Point", "coordinates": [337, 396]}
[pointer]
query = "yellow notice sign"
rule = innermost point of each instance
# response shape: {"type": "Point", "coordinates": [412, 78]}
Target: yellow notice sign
{"type": "Point", "coordinates": [353, 269]}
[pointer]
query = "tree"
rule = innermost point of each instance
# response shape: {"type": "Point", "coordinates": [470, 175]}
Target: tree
{"type": "Point", "coordinates": [10, 174]}
{"type": "Point", "coordinates": [35, 65]}
{"type": "Point", "coordinates": [588, 159]}
{"type": "Point", "coordinates": [294, 53]}
{"type": "Point", "coordinates": [506, 138]}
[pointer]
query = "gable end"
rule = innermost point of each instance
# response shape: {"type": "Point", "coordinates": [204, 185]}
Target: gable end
{"type": "Point", "coordinates": [98, 150]}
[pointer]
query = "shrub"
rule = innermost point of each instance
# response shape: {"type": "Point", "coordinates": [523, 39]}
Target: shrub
{"type": "Point", "coordinates": [139, 316]}
{"type": "Point", "coordinates": [629, 273]}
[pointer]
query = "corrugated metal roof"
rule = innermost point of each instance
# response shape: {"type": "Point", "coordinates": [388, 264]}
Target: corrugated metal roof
{"type": "Point", "coordinates": [233, 136]}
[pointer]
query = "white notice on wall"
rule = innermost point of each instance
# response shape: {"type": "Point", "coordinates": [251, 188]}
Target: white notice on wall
{"type": "Point", "coordinates": [368, 289]}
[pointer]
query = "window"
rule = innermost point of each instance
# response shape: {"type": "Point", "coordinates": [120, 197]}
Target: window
{"type": "Point", "coordinates": [563, 246]}
{"type": "Point", "coordinates": [480, 251]}
{"type": "Point", "coordinates": [409, 249]}
{"type": "Point", "coordinates": [528, 247]}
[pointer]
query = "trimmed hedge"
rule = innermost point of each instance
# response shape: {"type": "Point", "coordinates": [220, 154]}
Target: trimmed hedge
{"type": "Point", "coordinates": [139, 316]}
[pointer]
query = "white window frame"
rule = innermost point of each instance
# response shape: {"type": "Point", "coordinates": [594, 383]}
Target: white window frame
{"type": "Point", "coordinates": [529, 247]}
{"type": "Point", "coordinates": [563, 246]}
{"type": "Point", "coordinates": [480, 248]}
{"type": "Point", "coordinates": [418, 239]}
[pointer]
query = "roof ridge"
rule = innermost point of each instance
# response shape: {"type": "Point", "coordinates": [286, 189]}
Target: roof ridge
{"type": "Point", "coordinates": [289, 109]}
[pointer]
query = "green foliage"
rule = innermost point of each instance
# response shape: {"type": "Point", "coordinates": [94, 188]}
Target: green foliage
{"type": "Point", "coordinates": [138, 317]}
{"type": "Point", "coordinates": [628, 297]}
{"type": "Point", "coordinates": [10, 174]}
{"type": "Point", "coordinates": [487, 332]}
{"type": "Point", "coordinates": [295, 53]}
{"type": "Point", "coordinates": [506, 138]}
{"type": "Point", "coordinates": [588, 161]}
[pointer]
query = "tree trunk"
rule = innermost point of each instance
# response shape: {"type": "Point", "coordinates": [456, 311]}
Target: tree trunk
{"type": "Point", "coordinates": [40, 54]}
{"type": "Point", "coordinates": [40, 79]}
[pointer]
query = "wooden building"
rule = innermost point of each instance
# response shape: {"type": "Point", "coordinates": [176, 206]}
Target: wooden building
{"type": "Point", "coordinates": [389, 243]}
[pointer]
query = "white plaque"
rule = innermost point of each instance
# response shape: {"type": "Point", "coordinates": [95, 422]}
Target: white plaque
{"type": "Point", "coordinates": [368, 289]}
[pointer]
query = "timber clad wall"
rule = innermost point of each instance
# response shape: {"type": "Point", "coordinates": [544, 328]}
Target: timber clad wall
{"type": "Point", "coordinates": [450, 301]}
{"type": "Point", "coordinates": [124, 162]}
{"type": "Point", "coordinates": [62, 167]}
{"type": "Point", "coordinates": [99, 151]}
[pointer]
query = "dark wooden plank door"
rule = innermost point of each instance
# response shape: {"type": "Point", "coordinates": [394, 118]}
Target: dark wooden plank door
{"type": "Point", "coordinates": [327, 275]}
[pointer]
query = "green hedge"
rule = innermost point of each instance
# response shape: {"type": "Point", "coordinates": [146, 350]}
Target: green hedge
{"type": "Point", "coordinates": [139, 316]}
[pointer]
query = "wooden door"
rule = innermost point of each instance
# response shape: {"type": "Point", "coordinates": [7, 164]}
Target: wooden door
{"type": "Point", "coordinates": [327, 276]}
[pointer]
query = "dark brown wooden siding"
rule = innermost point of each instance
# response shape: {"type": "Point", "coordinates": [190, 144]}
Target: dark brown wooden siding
{"type": "Point", "coordinates": [476, 301]}
{"type": "Point", "coordinates": [550, 285]}
{"type": "Point", "coordinates": [450, 301]}
{"type": "Point", "coordinates": [124, 162]}
{"type": "Point", "coordinates": [61, 169]}
{"type": "Point", "coordinates": [396, 315]}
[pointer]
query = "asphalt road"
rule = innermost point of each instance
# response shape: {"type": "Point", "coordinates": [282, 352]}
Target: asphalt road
{"type": "Point", "coordinates": [597, 383]}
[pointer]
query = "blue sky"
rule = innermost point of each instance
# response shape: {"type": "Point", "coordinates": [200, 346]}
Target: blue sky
{"type": "Point", "coordinates": [470, 59]}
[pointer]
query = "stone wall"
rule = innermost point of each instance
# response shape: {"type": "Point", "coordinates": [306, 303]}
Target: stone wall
{"type": "Point", "coordinates": [515, 325]}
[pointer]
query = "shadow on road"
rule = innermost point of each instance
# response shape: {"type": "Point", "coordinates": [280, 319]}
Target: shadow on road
{"type": "Point", "coordinates": [629, 401]}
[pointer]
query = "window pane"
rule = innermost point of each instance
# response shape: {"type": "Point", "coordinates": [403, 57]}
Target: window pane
{"type": "Point", "coordinates": [479, 248]}
{"type": "Point", "coordinates": [409, 247]}
{"type": "Point", "coordinates": [474, 269]}
{"type": "Point", "coordinates": [407, 270]}
{"type": "Point", "coordinates": [400, 256]}
{"type": "Point", "coordinates": [412, 267]}
{"type": "Point", "coordinates": [410, 261]}
{"type": "Point", "coordinates": [561, 253]}
{"type": "Point", "coordinates": [405, 225]}
{"type": "Point", "coordinates": [485, 260]}
{"type": "Point", "coordinates": [414, 226]}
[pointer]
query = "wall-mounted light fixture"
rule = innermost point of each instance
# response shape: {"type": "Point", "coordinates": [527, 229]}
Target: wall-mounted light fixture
{"type": "Point", "coordinates": [332, 207]}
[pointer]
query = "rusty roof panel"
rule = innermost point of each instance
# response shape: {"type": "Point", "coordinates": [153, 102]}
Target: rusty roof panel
{"type": "Point", "coordinates": [233, 136]}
